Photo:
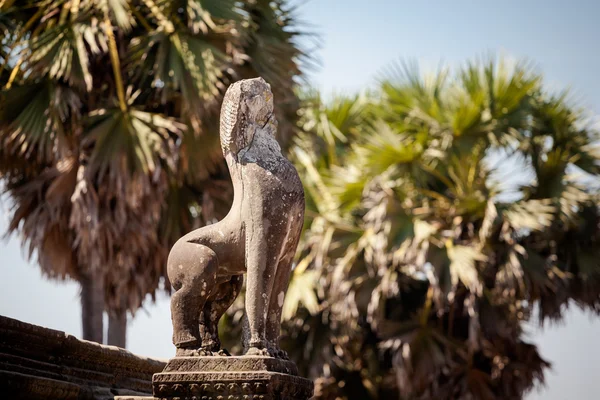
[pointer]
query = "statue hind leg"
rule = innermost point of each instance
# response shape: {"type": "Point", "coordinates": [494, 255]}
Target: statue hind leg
{"type": "Point", "coordinates": [192, 270]}
{"type": "Point", "coordinates": [214, 310]}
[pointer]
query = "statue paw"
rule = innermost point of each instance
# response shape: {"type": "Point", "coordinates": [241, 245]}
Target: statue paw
{"type": "Point", "coordinates": [186, 352]}
{"type": "Point", "coordinates": [189, 352]}
{"type": "Point", "coordinates": [204, 351]}
{"type": "Point", "coordinates": [255, 351]}
{"type": "Point", "coordinates": [223, 353]}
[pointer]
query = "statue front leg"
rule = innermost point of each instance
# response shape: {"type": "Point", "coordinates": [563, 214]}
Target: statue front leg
{"type": "Point", "coordinates": [258, 284]}
{"type": "Point", "coordinates": [282, 277]}
{"type": "Point", "coordinates": [282, 273]}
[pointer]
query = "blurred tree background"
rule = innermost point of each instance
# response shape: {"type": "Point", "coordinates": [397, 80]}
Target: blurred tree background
{"type": "Point", "coordinates": [419, 265]}
{"type": "Point", "coordinates": [109, 131]}
{"type": "Point", "coordinates": [423, 264]}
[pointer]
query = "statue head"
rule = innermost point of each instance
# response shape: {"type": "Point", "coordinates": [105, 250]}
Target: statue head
{"type": "Point", "coordinates": [247, 107]}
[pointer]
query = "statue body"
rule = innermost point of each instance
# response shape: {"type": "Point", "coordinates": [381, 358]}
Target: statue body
{"type": "Point", "coordinates": [258, 236]}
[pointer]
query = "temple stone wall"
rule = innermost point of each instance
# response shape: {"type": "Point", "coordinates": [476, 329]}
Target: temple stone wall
{"type": "Point", "coordinates": [42, 363]}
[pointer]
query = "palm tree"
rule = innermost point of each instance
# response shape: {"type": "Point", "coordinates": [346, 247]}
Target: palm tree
{"type": "Point", "coordinates": [424, 259]}
{"type": "Point", "coordinates": [108, 127]}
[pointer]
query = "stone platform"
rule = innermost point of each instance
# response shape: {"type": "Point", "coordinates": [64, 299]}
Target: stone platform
{"type": "Point", "coordinates": [38, 363]}
{"type": "Point", "coordinates": [228, 378]}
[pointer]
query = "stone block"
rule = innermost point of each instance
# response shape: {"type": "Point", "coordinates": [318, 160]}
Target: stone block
{"type": "Point", "coordinates": [228, 378]}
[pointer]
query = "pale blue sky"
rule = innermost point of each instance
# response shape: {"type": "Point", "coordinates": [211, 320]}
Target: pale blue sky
{"type": "Point", "coordinates": [359, 39]}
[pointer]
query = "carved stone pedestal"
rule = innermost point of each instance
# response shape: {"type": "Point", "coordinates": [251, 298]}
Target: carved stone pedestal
{"type": "Point", "coordinates": [230, 378]}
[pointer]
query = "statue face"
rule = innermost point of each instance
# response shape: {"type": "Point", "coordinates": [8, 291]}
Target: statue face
{"type": "Point", "coordinates": [247, 107]}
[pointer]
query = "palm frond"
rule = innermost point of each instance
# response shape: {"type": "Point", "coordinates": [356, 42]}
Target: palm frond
{"type": "Point", "coordinates": [35, 122]}
{"type": "Point", "coordinates": [121, 12]}
{"type": "Point", "coordinates": [135, 139]}
{"type": "Point", "coordinates": [181, 62]}
{"type": "Point", "coordinates": [530, 215]}
{"type": "Point", "coordinates": [301, 291]}
{"type": "Point", "coordinates": [61, 52]}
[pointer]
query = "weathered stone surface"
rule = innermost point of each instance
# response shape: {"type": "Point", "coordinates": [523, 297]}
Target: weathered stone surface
{"type": "Point", "coordinates": [193, 378]}
{"type": "Point", "coordinates": [41, 363]}
{"type": "Point", "coordinates": [231, 378]}
{"type": "Point", "coordinates": [258, 236]}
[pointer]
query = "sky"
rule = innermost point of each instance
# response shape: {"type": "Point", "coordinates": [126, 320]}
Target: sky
{"type": "Point", "coordinates": [358, 40]}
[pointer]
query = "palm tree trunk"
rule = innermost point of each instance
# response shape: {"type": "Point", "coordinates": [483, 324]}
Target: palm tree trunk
{"type": "Point", "coordinates": [92, 307]}
{"type": "Point", "coordinates": [117, 329]}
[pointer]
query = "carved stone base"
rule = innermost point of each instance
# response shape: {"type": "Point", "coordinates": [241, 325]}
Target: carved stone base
{"type": "Point", "coordinates": [230, 378]}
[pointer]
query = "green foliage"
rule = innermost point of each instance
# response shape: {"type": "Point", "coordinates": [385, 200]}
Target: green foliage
{"type": "Point", "coordinates": [425, 264]}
